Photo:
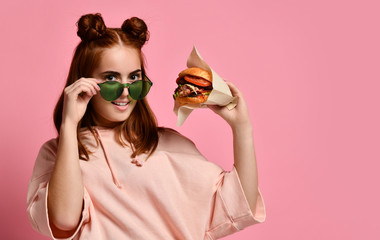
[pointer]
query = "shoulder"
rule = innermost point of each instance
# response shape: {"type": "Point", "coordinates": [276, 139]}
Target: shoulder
{"type": "Point", "coordinates": [170, 136]}
{"type": "Point", "coordinates": [172, 140]}
{"type": "Point", "coordinates": [45, 159]}
{"type": "Point", "coordinates": [49, 147]}
{"type": "Point", "coordinates": [187, 158]}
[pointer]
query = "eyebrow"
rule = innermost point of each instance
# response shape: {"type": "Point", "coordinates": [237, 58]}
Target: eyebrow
{"type": "Point", "coordinates": [118, 74]}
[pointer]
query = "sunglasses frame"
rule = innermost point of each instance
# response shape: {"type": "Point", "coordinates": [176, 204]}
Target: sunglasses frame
{"type": "Point", "coordinates": [126, 85]}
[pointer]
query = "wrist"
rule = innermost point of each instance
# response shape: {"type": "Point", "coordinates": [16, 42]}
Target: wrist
{"type": "Point", "coordinates": [242, 128]}
{"type": "Point", "coordinates": [68, 126]}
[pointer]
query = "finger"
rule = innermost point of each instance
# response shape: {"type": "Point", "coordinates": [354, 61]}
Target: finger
{"type": "Point", "coordinates": [89, 90]}
{"type": "Point", "coordinates": [79, 90]}
{"type": "Point", "coordinates": [89, 86]}
{"type": "Point", "coordinates": [97, 80]}
{"type": "Point", "coordinates": [89, 83]}
{"type": "Point", "coordinates": [234, 90]}
{"type": "Point", "coordinates": [94, 82]}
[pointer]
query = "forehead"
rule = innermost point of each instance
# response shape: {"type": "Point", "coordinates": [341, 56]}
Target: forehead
{"type": "Point", "coordinates": [119, 58]}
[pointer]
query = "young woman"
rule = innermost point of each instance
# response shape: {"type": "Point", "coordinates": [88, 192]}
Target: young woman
{"type": "Point", "coordinates": [112, 173]}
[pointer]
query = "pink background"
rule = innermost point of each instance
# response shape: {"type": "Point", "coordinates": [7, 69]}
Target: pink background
{"type": "Point", "coordinates": [309, 71]}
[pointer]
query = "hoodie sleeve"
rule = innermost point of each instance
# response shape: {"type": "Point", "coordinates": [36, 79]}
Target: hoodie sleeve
{"type": "Point", "coordinates": [37, 192]}
{"type": "Point", "coordinates": [230, 211]}
{"type": "Point", "coordinates": [227, 210]}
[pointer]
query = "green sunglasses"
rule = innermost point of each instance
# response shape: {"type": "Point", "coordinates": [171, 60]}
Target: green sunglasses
{"type": "Point", "coordinates": [112, 90]}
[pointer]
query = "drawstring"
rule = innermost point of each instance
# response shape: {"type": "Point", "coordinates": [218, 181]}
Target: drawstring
{"type": "Point", "coordinates": [108, 161]}
{"type": "Point", "coordinates": [136, 161]}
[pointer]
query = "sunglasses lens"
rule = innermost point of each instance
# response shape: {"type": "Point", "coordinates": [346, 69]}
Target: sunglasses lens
{"type": "Point", "coordinates": [139, 89]}
{"type": "Point", "coordinates": [111, 90]}
{"type": "Point", "coordinates": [146, 88]}
{"type": "Point", "coordinates": [135, 89]}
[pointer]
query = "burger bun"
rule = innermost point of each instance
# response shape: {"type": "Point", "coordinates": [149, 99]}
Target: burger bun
{"type": "Point", "coordinates": [196, 72]}
{"type": "Point", "coordinates": [191, 100]}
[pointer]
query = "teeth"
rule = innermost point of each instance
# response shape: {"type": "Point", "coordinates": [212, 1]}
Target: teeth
{"type": "Point", "coordinates": [119, 104]}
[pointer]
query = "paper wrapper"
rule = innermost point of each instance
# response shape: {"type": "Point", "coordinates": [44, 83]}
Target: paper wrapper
{"type": "Point", "coordinates": [220, 95]}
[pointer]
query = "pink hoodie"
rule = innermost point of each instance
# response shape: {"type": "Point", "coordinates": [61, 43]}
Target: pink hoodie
{"type": "Point", "coordinates": [176, 194]}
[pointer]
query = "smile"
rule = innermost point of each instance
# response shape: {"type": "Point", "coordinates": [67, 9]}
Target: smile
{"type": "Point", "coordinates": [120, 103]}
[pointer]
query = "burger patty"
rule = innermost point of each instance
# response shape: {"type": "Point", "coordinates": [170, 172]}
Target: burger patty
{"type": "Point", "coordinates": [189, 90]}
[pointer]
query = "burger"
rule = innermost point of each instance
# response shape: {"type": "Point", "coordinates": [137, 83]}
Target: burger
{"type": "Point", "coordinates": [194, 86]}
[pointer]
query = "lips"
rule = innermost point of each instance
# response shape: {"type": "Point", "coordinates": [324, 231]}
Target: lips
{"type": "Point", "coordinates": [121, 106]}
{"type": "Point", "coordinates": [120, 103]}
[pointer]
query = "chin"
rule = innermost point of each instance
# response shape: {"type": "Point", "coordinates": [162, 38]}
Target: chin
{"type": "Point", "coordinates": [109, 116]}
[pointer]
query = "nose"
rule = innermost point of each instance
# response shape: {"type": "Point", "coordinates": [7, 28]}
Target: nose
{"type": "Point", "coordinates": [125, 92]}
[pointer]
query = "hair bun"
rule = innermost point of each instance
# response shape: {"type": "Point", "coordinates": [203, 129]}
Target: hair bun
{"type": "Point", "coordinates": [90, 27]}
{"type": "Point", "coordinates": [137, 28]}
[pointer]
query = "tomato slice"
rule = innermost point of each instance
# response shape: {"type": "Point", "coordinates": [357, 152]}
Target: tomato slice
{"type": "Point", "coordinates": [197, 81]}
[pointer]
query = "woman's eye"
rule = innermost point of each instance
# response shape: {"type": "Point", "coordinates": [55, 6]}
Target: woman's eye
{"type": "Point", "coordinates": [136, 77]}
{"type": "Point", "coordinates": [110, 78]}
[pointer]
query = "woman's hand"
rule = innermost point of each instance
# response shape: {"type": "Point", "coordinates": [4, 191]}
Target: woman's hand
{"type": "Point", "coordinates": [76, 98]}
{"type": "Point", "coordinates": [238, 117]}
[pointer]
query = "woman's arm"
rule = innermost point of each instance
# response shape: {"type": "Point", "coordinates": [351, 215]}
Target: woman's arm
{"type": "Point", "coordinates": [244, 151]}
{"type": "Point", "coordinates": [65, 197]}
{"type": "Point", "coordinates": [65, 192]}
{"type": "Point", "coordinates": [245, 163]}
